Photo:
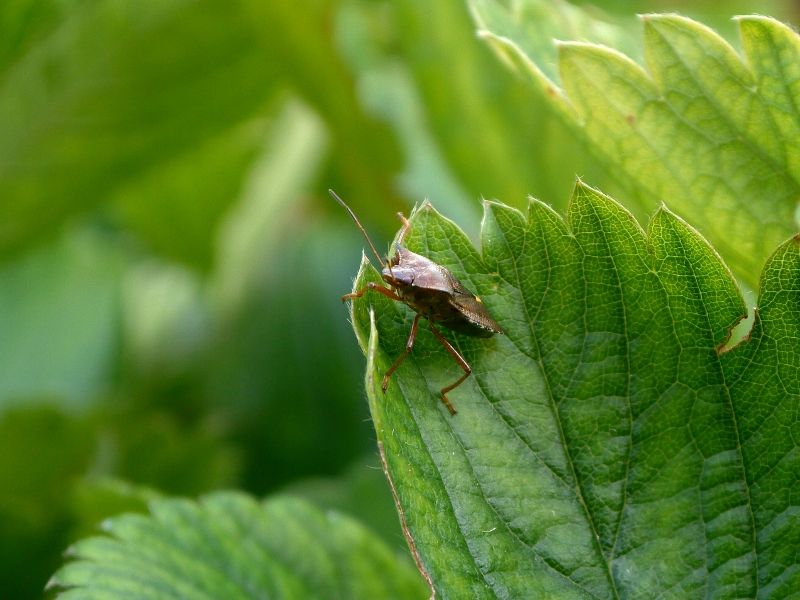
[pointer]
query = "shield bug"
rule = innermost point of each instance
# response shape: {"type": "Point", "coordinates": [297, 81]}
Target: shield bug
{"type": "Point", "coordinates": [432, 292]}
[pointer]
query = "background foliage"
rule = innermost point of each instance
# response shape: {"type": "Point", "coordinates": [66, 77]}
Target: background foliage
{"type": "Point", "coordinates": [170, 267]}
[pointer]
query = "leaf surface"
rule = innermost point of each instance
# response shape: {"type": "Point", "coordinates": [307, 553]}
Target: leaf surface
{"type": "Point", "coordinates": [230, 546]}
{"type": "Point", "coordinates": [118, 103]}
{"type": "Point", "coordinates": [604, 447]}
{"type": "Point", "coordinates": [696, 124]}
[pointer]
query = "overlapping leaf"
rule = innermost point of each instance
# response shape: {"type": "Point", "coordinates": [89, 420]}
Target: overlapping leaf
{"type": "Point", "coordinates": [699, 126]}
{"type": "Point", "coordinates": [604, 447]}
{"type": "Point", "coordinates": [229, 546]}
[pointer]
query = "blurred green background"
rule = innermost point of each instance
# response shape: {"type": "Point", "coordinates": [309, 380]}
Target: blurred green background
{"type": "Point", "coordinates": [171, 264]}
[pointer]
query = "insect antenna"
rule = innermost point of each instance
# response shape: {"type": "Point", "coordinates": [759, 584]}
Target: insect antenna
{"type": "Point", "coordinates": [381, 261]}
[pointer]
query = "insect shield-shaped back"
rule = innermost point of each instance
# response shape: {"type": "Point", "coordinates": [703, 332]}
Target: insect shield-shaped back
{"type": "Point", "coordinates": [432, 292]}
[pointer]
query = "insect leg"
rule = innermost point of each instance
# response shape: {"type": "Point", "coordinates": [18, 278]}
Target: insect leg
{"type": "Point", "coordinates": [372, 286]}
{"type": "Point", "coordinates": [399, 360]}
{"type": "Point", "coordinates": [406, 227]}
{"type": "Point", "coordinates": [461, 363]}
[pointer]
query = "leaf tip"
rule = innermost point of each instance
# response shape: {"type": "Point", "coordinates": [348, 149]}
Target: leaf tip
{"type": "Point", "coordinates": [668, 25]}
{"type": "Point", "coordinates": [662, 212]}
{"type": "Point", "coordinates": [364, 259]}
{"type": "Point", "coordinates": [490, 205]}
{"type": "Point", "coordinates": [52, 583]}
{"type": "Point", "coordinates": [668, 17]}
{"type": "Point", "coordinates": [583, 189]}
{"type": "Point", "coordinates": [425, 208]}
{"type": "Point", "coordinates": [761, 20]}
{"type": "Point", "coordinates": [535, 205]}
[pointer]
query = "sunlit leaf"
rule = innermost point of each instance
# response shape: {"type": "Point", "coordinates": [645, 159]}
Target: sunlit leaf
{"type": "Point", "coordinates": [698, 125]}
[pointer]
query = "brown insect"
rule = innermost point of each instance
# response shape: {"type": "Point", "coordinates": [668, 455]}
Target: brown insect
{"type": "Point", "coordinates": [430, 291]}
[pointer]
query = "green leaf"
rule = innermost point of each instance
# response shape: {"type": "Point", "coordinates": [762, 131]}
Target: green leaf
{"type": "Point", "coordinates": [360, 491]}
{"type": "Point", "coordinates": [303, 51]}
{"type": "Point", "coordinates": [455, 93]}
{"type": "Point", "coordinates": [43, 451]}
{"type": "Point", "coordinates": [763, 376]}
{"type": "Point", "coordinates": [700, 126]}
{"type": "Point", "coordinates": [427, 98]}
{"type": "Point", "coordinates": [167, 199]}
{"type": "Point", "coordinates": [110, 90]}
{"type": "Point", "coordinates": [230, 546]}
{"type": "Point", "coordinates": [59, 317]}
{"type": "Point", "coordinates": [604, 447]}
